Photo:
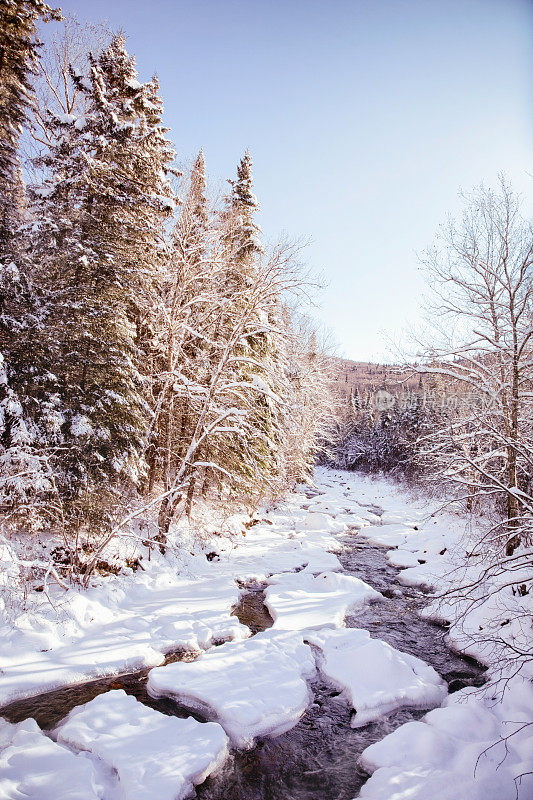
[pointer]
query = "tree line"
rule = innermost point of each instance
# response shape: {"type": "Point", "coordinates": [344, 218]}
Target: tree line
{"type": "Point", "coordinates": [151, 346]}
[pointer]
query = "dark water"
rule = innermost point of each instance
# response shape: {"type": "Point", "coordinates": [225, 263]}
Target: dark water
{"type": "Point", "coordinates": [251, 610]}
{"type": "Point", "coordinates": [49, 708]}
{"type": "Point", "coordinates": [317, 759]}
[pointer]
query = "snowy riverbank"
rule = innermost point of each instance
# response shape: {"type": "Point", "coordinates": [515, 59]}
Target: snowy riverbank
{"type": "Point", "coordinates": [259, 686]}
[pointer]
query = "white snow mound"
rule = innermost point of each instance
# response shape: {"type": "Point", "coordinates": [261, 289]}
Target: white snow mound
{"type": "Point", "coordinates": [152, 754]}
{"type": "Point", "coordinates": [375, 677]}
{"type": "Point", "coordinates": [252, 688]}
{"type": "Point", "coordinates": [33, 767]}
{"type": "Point", "coordinates": [458, 751]}
{"type": "Point", "coordinates": [303, 601]}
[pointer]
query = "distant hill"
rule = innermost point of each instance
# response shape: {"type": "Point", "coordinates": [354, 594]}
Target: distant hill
{"type": "Point", "coordinates": [367, 377]}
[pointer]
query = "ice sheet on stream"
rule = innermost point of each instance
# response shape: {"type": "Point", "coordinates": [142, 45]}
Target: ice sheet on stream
{"type": "Point", "coordinates": [33, 767]}
{"type": "Point", "coordinates": [458, 751]}
{"type": "Point", "coordinates": [130, 631]}
{"type": "Point", "coordinates": [254, 688]}
{"type": "Point", "coordinates": [301, 600]}
{"type": "Point", "coordinates": [375, 677]}
{"type": "Point", "coordinates": [152, 755]}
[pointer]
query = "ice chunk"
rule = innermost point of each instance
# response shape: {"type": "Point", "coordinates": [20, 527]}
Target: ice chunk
{"type": "Point", "coordinates": [376, 677]}
{"type": "Point", "coordinates": [313, 521]}
{"type": "Point", "coordinates": [389, 535]}
{"type": "Point", "coordinates": [253, 688]}
{"type": "Point", "coordinates": [154, 755]}
{"type": "Point", "coordinates": [299, 601]}
{"type": "Point", "coordinates": [34, 767]}
{"type": "Point", "coordinates": [402, 558]}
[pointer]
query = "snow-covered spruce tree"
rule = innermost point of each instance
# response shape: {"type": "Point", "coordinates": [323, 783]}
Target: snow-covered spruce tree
{"type": "Point", "coordinates": [18, 57]}
{"type": "Point", "coordinates": [67, 48]}
{"type": "Point", "coordinates": [240, 232]}
{"type": "Point", "coordinates": [24, 472]}
{"type": "Point", "coordinates": [261, 356]}
{"type": "Point", "coordinates": [98, 257]}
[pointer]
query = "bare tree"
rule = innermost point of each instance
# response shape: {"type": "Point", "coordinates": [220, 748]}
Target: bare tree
{"type": "Point", "coordinates": [482, 272]}
{"type": "Point", "coordinates": [66, 48]}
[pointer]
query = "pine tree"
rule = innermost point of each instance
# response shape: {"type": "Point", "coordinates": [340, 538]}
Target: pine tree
{"type": "Point", "coordinates": [99, 255]}
{"type": "Point", "coordinates": [18, 56]}
{"type": "Point", "coordinates": [24, 471]}
{"type": "Point", "coordinates": [240, 232]}
{"type": "Point", "coordinates": [261, 356]}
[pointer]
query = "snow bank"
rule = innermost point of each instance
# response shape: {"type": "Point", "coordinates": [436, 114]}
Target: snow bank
{"type": "Point", "coordinates": [252, 688]}
{"type": "Point", "coordinates": [153, 755]}
{"type": "Point", "coordinates": [119, 627]}
{"type": "Point", "coordinates": [376, 678]}
{"type": "Point", "coordinates": [300, 601]}
{"type": "Point", "coordinates": [457, 751]}
{"type": "Point", "coordinates": [33, 767]}
{"type": "Point", "coordinates": [182, 601]}
{"type": "Point", "coordinates": [324, 522]}
{"type": "Point", "coordinates": [402, 558]}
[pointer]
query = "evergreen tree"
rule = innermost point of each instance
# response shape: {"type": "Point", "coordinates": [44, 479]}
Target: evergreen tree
{"type": "Point", "coordinates": [261, 357]}
{"type": "Point", "coordinates": [18, 56]}
{"type": "Point", "coordinates": [24, 472]}
{"type": "Point", "coordinates": [240, 232]}
{"type": "Point", "coordinates": [99, 253]}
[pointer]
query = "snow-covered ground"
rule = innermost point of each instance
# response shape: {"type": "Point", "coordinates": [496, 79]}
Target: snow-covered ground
{"type": "Point", "coordinates": [259, 686]}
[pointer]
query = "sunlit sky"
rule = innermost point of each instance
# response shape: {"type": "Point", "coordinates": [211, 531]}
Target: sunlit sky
{"type": "Point", "coordinates": [364, 119]}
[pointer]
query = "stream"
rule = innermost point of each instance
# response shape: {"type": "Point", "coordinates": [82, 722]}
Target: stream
{"type": "Point", "coordinates": [317, 759]}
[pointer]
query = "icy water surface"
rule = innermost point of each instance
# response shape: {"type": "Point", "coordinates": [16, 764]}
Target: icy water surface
{"type": "Point", "coordinates": [317, 759]}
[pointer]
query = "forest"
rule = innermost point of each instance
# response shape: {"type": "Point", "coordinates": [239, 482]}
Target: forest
{"type": "Point", "coordinates": [194, 509]}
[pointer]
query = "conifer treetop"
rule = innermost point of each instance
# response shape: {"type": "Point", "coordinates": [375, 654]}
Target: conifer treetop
{"type": "Point", "coordinates": [242, 194]}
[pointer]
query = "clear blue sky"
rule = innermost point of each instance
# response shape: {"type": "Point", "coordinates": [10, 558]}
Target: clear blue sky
{"type": "Point", "coordinates": [364, 118]}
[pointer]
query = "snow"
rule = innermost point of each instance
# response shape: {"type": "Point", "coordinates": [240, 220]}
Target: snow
{"type": "Point", "coordinates": [375, 677]}
{"type": "Point", "coordinates": [402, 558]}
{"type": "Point", "coordinates": [388, 535]}
{"type": "Point", "coordinates": [81, 425]}
{"type": "Point", "coordinates": [31, 763]}
{"type": "Point", "coordinates": [133, 83]}
{"type": "Point", "coordinates": [254, 688]}
{"type": "Point", "coordinates": [457, 748]}
{"type": "Point", "coordinates": [153, 755]}
{"type": "Point", "coordinates": [301, 600]}
{"type": "Point", "coordinates": [124, 628]}
{"type": "Point", "coordinates": [319, 522]}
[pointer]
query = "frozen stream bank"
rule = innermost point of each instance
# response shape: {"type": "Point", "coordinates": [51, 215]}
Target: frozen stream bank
{"type": "Point", "coordinates": [317, 759]}
{"type": "Point", "coordinates": [283, 692]}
